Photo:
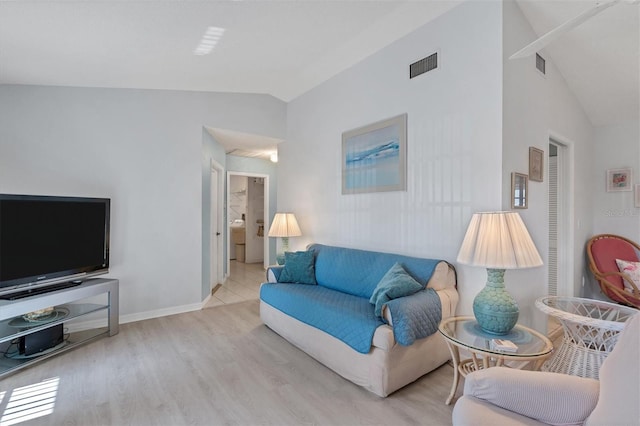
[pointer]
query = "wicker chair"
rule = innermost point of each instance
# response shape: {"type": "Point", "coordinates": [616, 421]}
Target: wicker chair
{"type": "Point", "coordinates": [603, 250]}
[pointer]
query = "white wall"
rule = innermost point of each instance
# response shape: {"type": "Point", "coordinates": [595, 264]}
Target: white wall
{"type": "Point", "coordinates": [454, 144]}
{"type": "Point", "coordinates": [144, 150]}
{"type": "Point", "coordinates": [536, 107]}
{"type": "Point", "coordinates": [616, 146]}
{"type": "Point", "coordinates": [237, 198]}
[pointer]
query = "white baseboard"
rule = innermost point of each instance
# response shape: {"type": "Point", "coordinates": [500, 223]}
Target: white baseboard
{"type": "Point", "coordinates": [140, 316]}
{"type": "Point", "coordinates": [206, 300]}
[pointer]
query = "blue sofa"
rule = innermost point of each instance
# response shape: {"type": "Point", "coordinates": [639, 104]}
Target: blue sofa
{"type": "Point", "coordinates": [333, 320]}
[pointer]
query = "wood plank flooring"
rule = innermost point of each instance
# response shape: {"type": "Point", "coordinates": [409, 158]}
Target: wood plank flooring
{"type": "Point", "coordinates": [216, 366]}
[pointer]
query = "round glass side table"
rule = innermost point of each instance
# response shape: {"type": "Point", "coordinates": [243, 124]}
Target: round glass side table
{"type": "Point", "coordinates": [465, 333]}
{"type": "Point", "coordinates": [591, 328]}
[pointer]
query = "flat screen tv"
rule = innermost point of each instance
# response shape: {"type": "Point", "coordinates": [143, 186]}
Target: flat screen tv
{"type": "Point", "coordinates": [47, 240]}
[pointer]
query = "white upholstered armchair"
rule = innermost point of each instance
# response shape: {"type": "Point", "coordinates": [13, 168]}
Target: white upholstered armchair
{"type": "Point", "coordinates": [503, 396]}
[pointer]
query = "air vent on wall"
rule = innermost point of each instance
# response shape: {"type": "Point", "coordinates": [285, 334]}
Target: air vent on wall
{"type": "Point", "coordinates": [541, 64]}
{"type": "Point", "coordinates": [423, 65]}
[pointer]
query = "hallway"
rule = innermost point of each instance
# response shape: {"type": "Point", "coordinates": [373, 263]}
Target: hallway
{"type": "Point", "coordinates": [242, 284]}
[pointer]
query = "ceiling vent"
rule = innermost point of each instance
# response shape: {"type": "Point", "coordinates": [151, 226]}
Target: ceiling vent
{"type": "Point", "coordinates": [541, 64]}
{"type": "Point", "coordinates": [423, 65]}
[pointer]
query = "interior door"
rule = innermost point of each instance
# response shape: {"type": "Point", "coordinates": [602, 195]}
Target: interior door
{"type": "Point", "coordinates": [561, 252]}
{"type": "Point", "coordinates": [215, 231]}
{"type": "Point", "coordinates": [553, 220]}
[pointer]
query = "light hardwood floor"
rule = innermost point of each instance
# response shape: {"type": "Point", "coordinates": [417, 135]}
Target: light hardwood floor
{"type": "Point", "coordinates": [212, 367]}
{"type": "Point", "coordinates": [216, 366]}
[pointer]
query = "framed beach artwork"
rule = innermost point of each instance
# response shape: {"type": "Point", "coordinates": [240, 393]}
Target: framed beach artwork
{"type": "Point", "coordinates": [374, 157]}
{"type": "Point", "coordinates": [618, 180]}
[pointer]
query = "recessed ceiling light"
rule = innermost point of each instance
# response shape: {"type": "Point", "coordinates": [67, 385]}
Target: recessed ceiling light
{"type": "Point", "coordinates": [209, 40]}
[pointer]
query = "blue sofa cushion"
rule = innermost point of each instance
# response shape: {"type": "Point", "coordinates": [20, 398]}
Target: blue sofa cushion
{"type": "Point", "coordinates": [358, 272]}
{"type": "Point", "coordinates": [395, 283]}
{"type": "Point", "coordinates": [346, 317]}
{"type": "Point", "coordinates": [298, 268]}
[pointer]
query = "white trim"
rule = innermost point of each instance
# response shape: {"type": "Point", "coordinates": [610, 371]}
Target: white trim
{"type": "Point", "coordinates": [140, 316]}
{"type": "Point", "coordinates": [206, 299]}
{"type": "Point", "coordinates": [566, 213]}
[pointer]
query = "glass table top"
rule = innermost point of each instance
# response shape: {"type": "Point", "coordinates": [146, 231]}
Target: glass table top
{"type": "Point", "coordinates": [465, 332]}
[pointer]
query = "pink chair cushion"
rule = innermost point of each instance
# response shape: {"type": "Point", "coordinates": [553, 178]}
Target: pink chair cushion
{"type": "Point", "coordinates": [605, 251]}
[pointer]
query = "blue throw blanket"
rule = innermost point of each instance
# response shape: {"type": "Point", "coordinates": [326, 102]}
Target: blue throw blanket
{"type": "Point", "coordinates": [416, 316]}
{"type": "Point", "coordinates": [351, 319]}
{"type": "Point", "coordinates": [346, 317]}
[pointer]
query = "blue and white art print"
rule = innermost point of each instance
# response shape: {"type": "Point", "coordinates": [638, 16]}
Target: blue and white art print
{"type": "Point", "coordinates": [374, 157]}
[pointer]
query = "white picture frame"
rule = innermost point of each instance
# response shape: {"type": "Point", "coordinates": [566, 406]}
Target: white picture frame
{"type": "Point", "coordinates": [619, 180]}
{"type": "Point", "coordinates": [374, 157]}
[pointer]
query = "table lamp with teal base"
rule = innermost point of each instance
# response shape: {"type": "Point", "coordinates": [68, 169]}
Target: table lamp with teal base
{"type": "Point", "coordinates": [494, 308]}
{"type": "Point", "coordinates": [497, 241]}
{"type": "Point", "coordinates": [284, 225]}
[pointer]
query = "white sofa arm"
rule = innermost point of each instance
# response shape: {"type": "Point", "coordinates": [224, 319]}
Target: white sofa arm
{"type": "Point", "coordinates": [552, 398]}
{"type": "Point", "coordinates": [273, 273]}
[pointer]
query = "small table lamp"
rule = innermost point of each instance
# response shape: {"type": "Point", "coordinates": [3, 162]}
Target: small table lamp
{"type": "Point", "coordinates": [284, 225]}
{"type": "Point", "coordinates": [497, 241]}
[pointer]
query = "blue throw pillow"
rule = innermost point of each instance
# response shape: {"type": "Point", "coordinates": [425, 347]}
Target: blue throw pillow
{"type": "Point", "coordinates": [395, 283]}
{"type": "Point", "coordinates": [298, 268]}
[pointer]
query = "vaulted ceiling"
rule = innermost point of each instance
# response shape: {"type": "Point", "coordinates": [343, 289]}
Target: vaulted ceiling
{"type": "Point", "coordinates": [600, 59]}
{"type": "Point", "coordinates": [283, 48]}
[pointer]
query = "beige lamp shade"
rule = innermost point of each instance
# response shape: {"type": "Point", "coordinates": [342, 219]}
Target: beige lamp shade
{"type": "Point", "coordinates": [498, 240]}
{"type": "Point", "coordinates": [284, 225]}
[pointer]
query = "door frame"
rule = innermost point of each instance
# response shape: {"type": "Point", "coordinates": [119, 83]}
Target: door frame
{"type": "Point", "coordinates": [230, 173]}
{"type": "Point", "coordinates": [566, 211]}
{"type": "Point", "coordinates": [216, 221]}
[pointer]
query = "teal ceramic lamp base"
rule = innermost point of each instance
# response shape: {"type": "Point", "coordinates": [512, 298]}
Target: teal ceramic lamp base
{"type": "Point", "coordinates": [285, 248]}
{"type": "Point", "coordinates": [494, 308]}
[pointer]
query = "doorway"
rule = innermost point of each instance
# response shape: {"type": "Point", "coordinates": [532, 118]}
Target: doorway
{"type": "Point", "coordinates": [560, 258]}
{"type": "Point", "coordinates": [247, 216]}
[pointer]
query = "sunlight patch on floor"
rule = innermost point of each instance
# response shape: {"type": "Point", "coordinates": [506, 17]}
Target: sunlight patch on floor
{"type": "Point", "coordinates": [29, 402]}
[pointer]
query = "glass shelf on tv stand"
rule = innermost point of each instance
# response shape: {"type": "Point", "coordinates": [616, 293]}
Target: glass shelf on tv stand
{"type": "Point", "coordinates": [70, 308]}
{"type": "Point", "coordinates": [19, 326]}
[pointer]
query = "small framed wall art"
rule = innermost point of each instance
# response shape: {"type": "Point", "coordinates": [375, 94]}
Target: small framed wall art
{"type": "Point", "coordinates": [519, 191]}
{"type": "Point", "coordinates": [637, 196]}
{"type": "Point", "coordinates": [619, 180]}
{"type": "Point", "coordinates": [374, 157]}
{"type": "Point", "coordinates": [536, 164]}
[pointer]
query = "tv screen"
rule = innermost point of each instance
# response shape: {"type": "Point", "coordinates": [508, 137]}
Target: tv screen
{"type": "Point", "coordinates": [46, 240]}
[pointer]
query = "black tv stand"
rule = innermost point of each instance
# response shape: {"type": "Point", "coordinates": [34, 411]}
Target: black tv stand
{"type": "Point", "coordinates": [39, 290]}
